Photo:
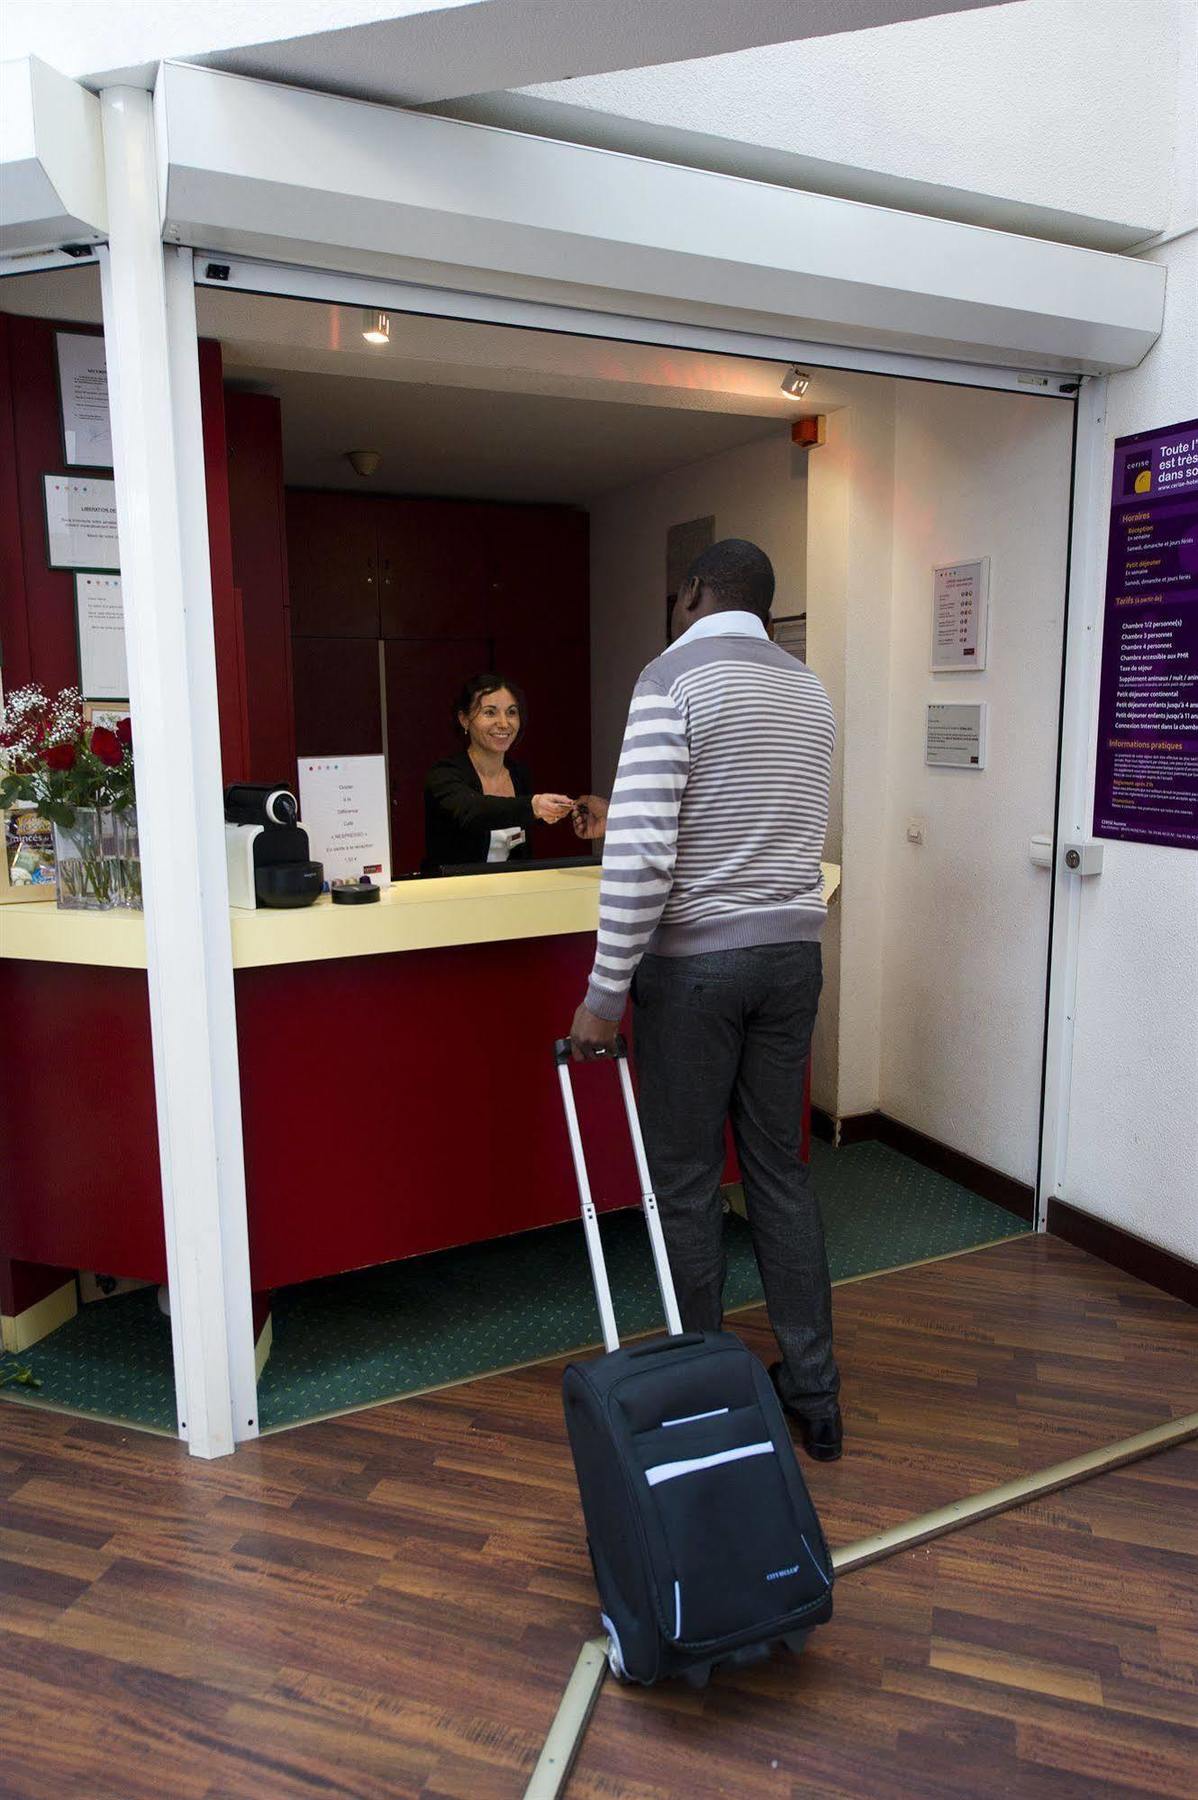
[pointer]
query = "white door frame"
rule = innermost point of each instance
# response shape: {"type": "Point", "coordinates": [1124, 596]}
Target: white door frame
{"type": "Point", "coordinates": [158, 468]}
{"type": "Point", "coordinates": [149, 319]}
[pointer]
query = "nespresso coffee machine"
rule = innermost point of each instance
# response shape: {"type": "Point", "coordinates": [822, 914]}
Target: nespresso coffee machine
{"type": "Point", "coordinates": [266, 849]}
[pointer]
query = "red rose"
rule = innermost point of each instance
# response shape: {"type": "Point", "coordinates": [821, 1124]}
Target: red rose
{"type": "Point", "coordinates": [106, 746]}
{"type": "Point", "coordinates": [124, 733]}
{"type": "Point", "coordinates": [60, 756]}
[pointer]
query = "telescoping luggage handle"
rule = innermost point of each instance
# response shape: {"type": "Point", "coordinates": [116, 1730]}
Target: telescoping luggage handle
{"type": "Point", "coordinates": [590, 1222]}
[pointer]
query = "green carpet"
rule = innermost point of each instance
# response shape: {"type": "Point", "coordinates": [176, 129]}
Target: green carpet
{"type": "Point", "coordinates": [355, 1339]}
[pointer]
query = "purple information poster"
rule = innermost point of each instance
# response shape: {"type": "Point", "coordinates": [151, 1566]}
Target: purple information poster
{"type": "Point", "coordinates": [1146, 789]}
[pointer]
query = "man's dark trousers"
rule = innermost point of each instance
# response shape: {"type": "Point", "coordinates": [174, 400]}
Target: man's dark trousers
{"type": "Point", "coordinates": [726, 1035]}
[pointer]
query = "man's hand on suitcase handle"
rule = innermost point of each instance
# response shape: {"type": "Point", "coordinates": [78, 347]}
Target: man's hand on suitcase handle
{"type": "Point", "coordinates": [591, 1036]}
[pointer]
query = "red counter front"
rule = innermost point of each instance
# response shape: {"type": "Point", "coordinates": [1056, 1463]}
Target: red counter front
{"type": "Point", "coordinates": [391, 1105]}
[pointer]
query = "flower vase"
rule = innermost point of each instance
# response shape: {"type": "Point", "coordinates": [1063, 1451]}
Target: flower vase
{"type": "Point", "coordinates": [86, 858]}
{"type": "Point", "coordinates": [128, 856]}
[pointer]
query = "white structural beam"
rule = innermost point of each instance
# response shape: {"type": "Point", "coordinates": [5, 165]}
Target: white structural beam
{"type": "Point", "coordinates": [149, 329]}
{"type": "Point", "coordinates": [413, 50]}
{"type": "Point", "coordinates": [438, 52]}
{"type": "Point", "coordinates": [51, 161]}
{"type": "Point", "coordinates": [309, 178]}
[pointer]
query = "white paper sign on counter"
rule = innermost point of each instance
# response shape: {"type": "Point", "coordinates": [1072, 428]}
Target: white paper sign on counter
{"type": "Point", "coordinates": [100, 622]}
{"type": "Point", "coordinates": [344, 810]}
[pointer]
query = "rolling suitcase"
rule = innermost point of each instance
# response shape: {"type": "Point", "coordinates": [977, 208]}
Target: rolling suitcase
{"type": "Point", "coordinates": [704, 1542]}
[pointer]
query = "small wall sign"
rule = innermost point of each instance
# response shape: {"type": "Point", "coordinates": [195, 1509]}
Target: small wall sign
{"type": "Point", "coordinates": [960, 616]}
{"type": "Point", "coordinates": [956, 736]}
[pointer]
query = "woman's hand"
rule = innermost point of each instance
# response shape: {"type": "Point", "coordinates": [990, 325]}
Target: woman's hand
{"type": "Point", "coordinates": [551, 809]}
{"type": "Point", "coordinates": [590, 817]}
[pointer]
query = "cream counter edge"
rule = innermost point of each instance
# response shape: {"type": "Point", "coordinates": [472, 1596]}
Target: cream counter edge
{"type": "Point", "coordinates": [412, 915]}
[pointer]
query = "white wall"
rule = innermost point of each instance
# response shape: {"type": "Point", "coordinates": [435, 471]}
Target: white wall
{"type": "Point", "coordinates": [1132, 1155]}
{"type": "Point", "coordinates": [1054, 106]}
{"type": "Point", "coordinates": [756, 491]}
{"type": "Point", "coordinates": [934, 956]}
{"type": "Point", "coordinates": [966, 912]}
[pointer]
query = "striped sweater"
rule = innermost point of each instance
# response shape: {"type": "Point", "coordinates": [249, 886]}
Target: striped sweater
{"type": "Point", "coordinates": [717, 818]}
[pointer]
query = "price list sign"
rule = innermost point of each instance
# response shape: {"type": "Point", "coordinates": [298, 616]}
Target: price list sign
{"type": "Point", "coordinates": [960, 608]}
{"type": "Point", "coordinates": [1146, 788]}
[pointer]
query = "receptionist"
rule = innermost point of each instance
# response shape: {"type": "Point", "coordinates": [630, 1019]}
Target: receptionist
{"type": "Point", "coordinates": [478, 806]}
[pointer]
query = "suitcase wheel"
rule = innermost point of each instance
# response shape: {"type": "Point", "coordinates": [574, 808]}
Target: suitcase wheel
{"type": "Point", "coordinates": [698, 1675]}
{"type": "Point", "coordinates": [615, 1661]}
{"type": "Point", "coordinates": [795, 1640]}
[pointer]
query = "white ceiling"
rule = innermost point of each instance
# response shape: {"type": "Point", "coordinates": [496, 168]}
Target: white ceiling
{"type": "Point", "coordinates": [458, 408]}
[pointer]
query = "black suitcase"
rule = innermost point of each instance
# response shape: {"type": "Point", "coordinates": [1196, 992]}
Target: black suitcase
{"type": "Point", "coordinates": [704, 1542]}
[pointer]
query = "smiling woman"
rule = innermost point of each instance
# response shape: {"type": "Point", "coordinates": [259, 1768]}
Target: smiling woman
{"type": "Point", "coordinates": [478, 807]}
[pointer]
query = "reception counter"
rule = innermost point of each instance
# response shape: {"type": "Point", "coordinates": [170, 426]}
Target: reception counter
{"type": "Point", "coordinates": [398, 1093]}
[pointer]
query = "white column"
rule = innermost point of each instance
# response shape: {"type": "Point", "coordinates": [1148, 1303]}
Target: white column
{"type": "Point", "coordinates": [150, 336]}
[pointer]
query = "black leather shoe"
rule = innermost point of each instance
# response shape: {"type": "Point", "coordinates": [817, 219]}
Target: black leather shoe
{"type": "Point", "coordinates": [822, 1437]}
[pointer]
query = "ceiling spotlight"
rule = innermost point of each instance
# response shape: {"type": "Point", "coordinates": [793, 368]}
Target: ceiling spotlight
{"type": "Point", "coordinates": [796, 381]}
{"type": "Point", "coordinates": [376, 327]}
{"type": "Point", "coordinates": [363, 462]}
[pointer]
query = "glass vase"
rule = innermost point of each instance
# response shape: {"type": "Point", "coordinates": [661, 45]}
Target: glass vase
{"type": "Point", "coordinates": [86, 858]}
{"type": "Point", "coordinates": [128, 858]}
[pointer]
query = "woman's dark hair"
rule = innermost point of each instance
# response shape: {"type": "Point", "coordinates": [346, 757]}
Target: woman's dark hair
{"type": "Point", "coordinates": [478, 687]}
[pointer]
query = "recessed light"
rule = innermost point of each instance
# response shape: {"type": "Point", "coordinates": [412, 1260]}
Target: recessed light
{"type": "Point", "coordinates": [796, 381]}
{"type": "Point", "coordinates": [376, 327]}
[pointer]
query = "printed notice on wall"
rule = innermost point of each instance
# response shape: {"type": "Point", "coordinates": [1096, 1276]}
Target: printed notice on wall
{"type": "Point", "coordinates": [956, 737]}
{"type": "Point", "coordinates": [343, 809]}
{"type": "Point", "coordinates": [960, 616]}
{"type": "Point", "coordinates": [1146, 784]}
{"type": "Point", "coordinates": [81, 523]}
{"type": "Point", "coordinates": [100, 623]}
{"type": "Point", "coordinates": [83, 392]}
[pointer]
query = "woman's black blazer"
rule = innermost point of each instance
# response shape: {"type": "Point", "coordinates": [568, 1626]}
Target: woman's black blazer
{"type": "Point", "coordinates": [459, 818]}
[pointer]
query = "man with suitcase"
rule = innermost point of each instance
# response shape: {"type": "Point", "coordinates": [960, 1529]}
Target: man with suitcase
{"type": "Point", "coordinates": [711, 913]}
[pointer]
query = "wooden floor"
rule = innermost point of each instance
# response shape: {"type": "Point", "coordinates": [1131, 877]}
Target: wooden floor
{"type": "Point", "coordinates": [387, 1605]}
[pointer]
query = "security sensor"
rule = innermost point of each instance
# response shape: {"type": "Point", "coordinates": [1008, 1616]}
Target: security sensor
{"type": "Point", "coordinates": [796, 381]}
{"type": "Point", "coordinates": [363, 462]}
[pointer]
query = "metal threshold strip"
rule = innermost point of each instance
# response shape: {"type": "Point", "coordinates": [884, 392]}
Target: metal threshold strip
{"type": "Point", "coordinates": [565, 1737]}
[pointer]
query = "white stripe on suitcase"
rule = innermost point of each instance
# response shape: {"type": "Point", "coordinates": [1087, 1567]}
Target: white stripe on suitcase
{"type": "Point", "coordinates": [670, 1471]}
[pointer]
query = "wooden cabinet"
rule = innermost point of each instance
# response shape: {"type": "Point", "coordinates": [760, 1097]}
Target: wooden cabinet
{"type": "Point", "coordinates": [450, 588]}
{"type": "Point", "coordinates": [332, 553]}
{"type": "Point", "coordinates": [423, 678]}
{"type": "Point", "coordinates": [434, 567]}
{"type": "Point", "coordinates": [338, 710]}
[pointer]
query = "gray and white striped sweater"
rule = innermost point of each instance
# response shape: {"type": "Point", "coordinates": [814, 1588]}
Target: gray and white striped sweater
{"type": "Point", "coordinates": [720, 806]}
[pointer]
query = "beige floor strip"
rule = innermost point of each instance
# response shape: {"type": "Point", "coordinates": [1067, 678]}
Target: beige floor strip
{"type": "Point", "coordinates": [571, 1720]}
{"type": "Point", "coordinates": [582, 1690]}
{"type": "Point", "coordinates": [1013, 1493]}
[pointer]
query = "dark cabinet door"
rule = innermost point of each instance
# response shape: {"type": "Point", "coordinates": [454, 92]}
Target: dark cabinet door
{"type": "Point", "coordinates": [338, 704]}
{"type": "Point", "coordinates": [556, 745]}
{"type": "Point", "coordinates": [423, 678]}
{"type": "Point", "coordinates": [433, 563]}
{"type": "Point", "coordinates": [539, 575]}
{"type": "Point", "coordinates": [332, 557]}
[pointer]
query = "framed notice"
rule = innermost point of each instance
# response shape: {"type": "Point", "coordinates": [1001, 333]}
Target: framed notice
{"type": "Point", "coordinates": [83, 396]}
{"type": "Point", "coordinates": [343, 809]}
{"type": "Point", "coordinates": [100, 627]}
{"type": "Point", "coordinates": [956, 736]}
{"type": "Point", "coordinates": [81, 522]}
{"type": "Point", "coordinates": [1146, 770]}
{"type": "Point", "coordinates": [960, 616]}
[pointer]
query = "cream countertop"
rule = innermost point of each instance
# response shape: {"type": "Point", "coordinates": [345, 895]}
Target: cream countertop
{"type": "Point", "coordinates": [411, 915]}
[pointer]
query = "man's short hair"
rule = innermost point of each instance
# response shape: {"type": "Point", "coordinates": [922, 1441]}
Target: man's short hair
{"type": "Point", "coordinates": [738, 576]}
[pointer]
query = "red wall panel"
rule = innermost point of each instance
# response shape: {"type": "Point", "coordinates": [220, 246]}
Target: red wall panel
{"type": "Point", "coordinates": [257, 530]}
